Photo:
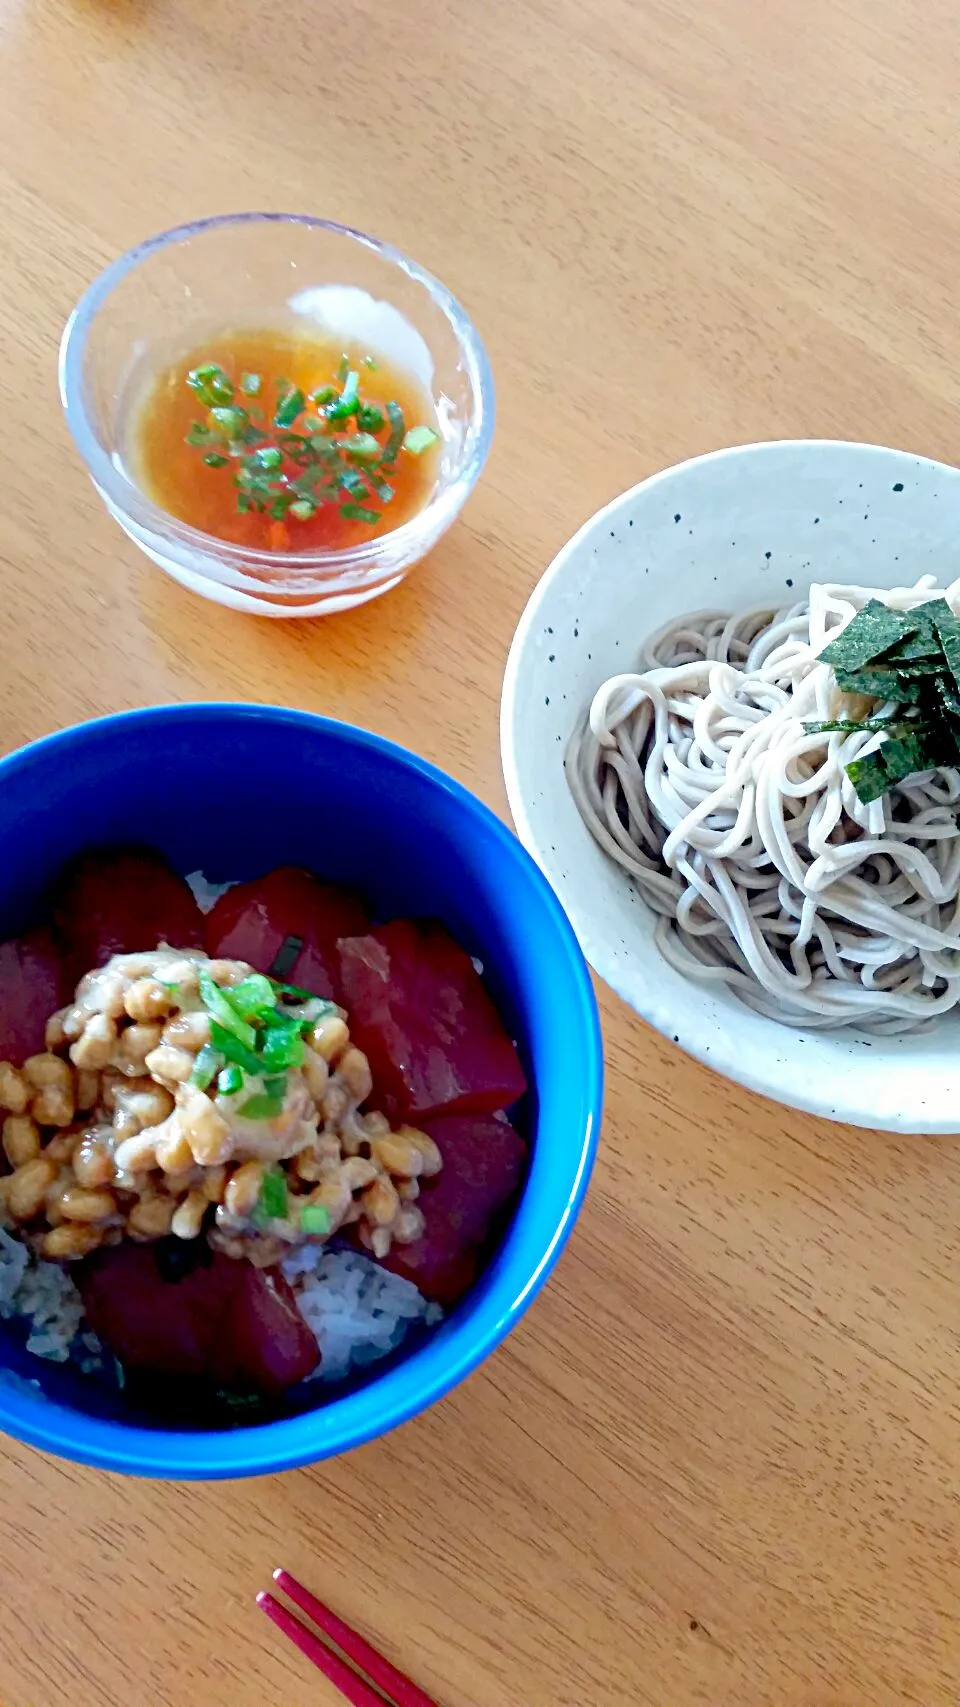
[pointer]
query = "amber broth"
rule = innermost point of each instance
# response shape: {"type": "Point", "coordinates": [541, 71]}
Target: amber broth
{"type": "Point", "coordinates": [175, 476]}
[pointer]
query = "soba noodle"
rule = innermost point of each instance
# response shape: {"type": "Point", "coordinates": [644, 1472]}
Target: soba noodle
{"type": "Point", "coordinates": [745, 835]}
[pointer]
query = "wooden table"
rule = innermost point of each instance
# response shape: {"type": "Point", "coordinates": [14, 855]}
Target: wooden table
{"type": "Point", "coordinates": [717, 1464]}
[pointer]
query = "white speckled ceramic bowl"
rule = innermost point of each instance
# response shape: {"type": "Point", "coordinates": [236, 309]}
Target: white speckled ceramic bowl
{"type": "Point", "coordinates": [728, 529]}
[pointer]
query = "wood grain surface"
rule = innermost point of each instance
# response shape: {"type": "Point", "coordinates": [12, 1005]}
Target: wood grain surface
{"type": "Point", "coordinates": [717, 1465]}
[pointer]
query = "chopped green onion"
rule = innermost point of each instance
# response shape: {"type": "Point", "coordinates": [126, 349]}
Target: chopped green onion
{"type": "Point", "coordinates": [324, 449]}
{"type": "Point", "coordinates": [349, 399]}
{"type": "Point", "coordinates": [361, 445]}
{"type": "Point", "coordinates": [328, 469]}
{"type": "Point", "coordinates": [206, 1067]}
{"type": "Point", "coordinates": [351, 480]}
{"type": "Point", "coordinates": [315, 1219]}
{"type": "Point", "coordinates": [297, 447]}
{"type": "Point", "coordinates": [252, 995]}
{"type": "Point", "coordinates": [229, 422]}
{"type": "Point", "coordinates": [272, 1202]}
{"type": "Point", "coordinates": [230, 1081]}
{"type": "Point", "coordinates": [257, 479]}
{"type": "Point", "coordinates": [210, 384]}
{"type": "Point", "coordinates": [370, 362]}
{"type": "Point", "coordinates": [220, 1007]}
{"type": "Point", "coordinates": [397, 431]}
{"type": "Point", "coordinates": [303, 1021]}
{"type": "Point", "coordinates": [313, 486]}
{"type": "Point", "coordinates": [296, 992]}
{"type": "Point", "coordinates": [278, 1020]}
{"type": "Point", "coordinates": [233, 1050]}
{"type": "Point", "coordinates": [283, 1048]}
{"type": "Point", "coordinates": [267, 457]}
{"type": "Point", "coordinates": [369, 418]}
{"type": "Point", "coordinates": [357, 513]}
{"type": "Point", "coordinates": [419, 439]}
{"type": "Point", "coordinates": [261, 1107]}
{"type": "Point", "coordinates": [289, 408]}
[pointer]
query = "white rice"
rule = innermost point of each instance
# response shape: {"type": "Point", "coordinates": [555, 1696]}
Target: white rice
{"type": "Point", "coordinates": [43, 1294]}
{"type": "Point", "coordinates": [358, 1311]}
{"type": "Point", "coordinates": [206, 894]}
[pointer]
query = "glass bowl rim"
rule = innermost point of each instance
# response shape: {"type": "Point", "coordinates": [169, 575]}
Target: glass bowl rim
{"type": "Point", "coordinates": [124, 495]}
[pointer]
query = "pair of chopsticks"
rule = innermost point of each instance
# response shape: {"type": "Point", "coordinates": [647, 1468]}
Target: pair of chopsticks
{"type": "Point", "coordinates": [369, 1680]}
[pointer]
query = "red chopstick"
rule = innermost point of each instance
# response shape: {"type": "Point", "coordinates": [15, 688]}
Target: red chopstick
{"type": "Point", "coordinates": [350, 1685]}
{"type": "Point", "coordinates": [387, 1679]}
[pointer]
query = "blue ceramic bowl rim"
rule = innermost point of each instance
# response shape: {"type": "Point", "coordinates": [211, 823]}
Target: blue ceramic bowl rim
{"type": "Point", "coordinates": [293, 1442]}
{"type": "Point", "coordinates": [121, 492]}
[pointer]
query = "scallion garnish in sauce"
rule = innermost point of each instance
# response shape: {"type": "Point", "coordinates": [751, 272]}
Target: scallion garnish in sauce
{"type": "Point", "coordinates": [285, 443]}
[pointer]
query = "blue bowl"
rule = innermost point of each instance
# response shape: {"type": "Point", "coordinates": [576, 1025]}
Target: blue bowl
{"type": "Point", "coordinates": [233, 790]}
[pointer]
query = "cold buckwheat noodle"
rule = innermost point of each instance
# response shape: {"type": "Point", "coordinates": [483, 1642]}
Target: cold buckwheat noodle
{"type": "Point", "coordinates": [745, 835]}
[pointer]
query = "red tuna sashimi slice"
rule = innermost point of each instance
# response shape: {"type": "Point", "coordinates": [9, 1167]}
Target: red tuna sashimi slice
{"type": "Point", "coordinates": [418, 1008]}
{"type": "Point", "coordinates": [484, 1162]}
{"type": "Point", "coordinates": [440, 1265]}
{"type": "Point", "coordinates": [116, 901]}
{"type": "Point", "coordinates": [33, 984]}
{"type": "Point", "coordinates": [263, 1339]}
{"type": "Point", "coordinates": [252, 921]}
{"type": "Point", "coordinates": [226, 1321]}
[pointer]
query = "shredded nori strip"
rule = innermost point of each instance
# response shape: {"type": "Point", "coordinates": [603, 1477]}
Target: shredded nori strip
{"type": "Point", "coordinates": [922, 648]}
{"type": "Point", "coordinates": [850, 726]}
{"type": "Point", "coordinates": [948, 629]}
{"type": "Point", "coordinates": [872, 632]}
{"type": "Point", "coordinates": [906, 660]}
{"type": "Point", "coordinates": [949, 692]}
{"type": "Point", "coordinates": [875, 774]}
{"type": "Point", "coordinates": [881, 684]}
{"type": "Point", "coordinates": [286, 957]}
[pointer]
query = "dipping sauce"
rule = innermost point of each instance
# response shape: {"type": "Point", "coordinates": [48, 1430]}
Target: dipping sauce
{"type": "Point", "coordinates": [288, 443]}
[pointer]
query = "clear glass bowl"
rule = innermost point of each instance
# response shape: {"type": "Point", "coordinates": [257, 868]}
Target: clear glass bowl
{"type": "Point", "coordinates": [289, 270]}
